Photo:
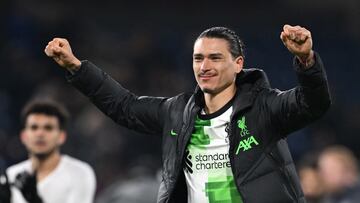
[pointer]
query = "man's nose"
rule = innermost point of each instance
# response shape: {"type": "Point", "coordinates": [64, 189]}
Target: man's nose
{"type": "Point", "coordinates": [40, 132]}
{"type": "Point", "coordinates": [205, 65]}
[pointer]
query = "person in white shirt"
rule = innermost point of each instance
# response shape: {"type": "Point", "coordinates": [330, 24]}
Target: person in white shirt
{"type": "Point", "coordinates": [48, 176]}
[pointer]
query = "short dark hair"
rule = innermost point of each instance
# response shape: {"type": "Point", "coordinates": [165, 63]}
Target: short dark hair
{"type": "Point", "coordinates": [49, 108]}
{"type": "Point", "coordinates": [236, 45]}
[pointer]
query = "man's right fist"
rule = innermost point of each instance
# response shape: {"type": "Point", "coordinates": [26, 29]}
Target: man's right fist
{"type": "Point", "coordinates": [59, 49]}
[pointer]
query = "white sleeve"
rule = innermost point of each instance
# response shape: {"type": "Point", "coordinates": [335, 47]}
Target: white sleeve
{"type": "Point", "coordinates": [84, 187]}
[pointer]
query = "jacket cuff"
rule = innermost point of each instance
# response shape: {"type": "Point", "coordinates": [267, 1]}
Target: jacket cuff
{"type": "Point", "coordinates": [87, 79]}
{"type": "Point", "coordinates": [313, 76]}
{"type": "Point", "coordinates": [73, 76]}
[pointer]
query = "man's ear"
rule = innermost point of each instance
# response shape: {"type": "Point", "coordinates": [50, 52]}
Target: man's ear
{"type": "Point", "coordinates": [239, 64]}
{"type": "Point", "coordinates": [23, 136]}
{"type": "Point", "coordinates": [62, 138]}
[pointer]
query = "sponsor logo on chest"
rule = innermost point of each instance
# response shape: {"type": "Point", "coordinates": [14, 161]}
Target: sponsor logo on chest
{"type": "Point", "coordinates": [247, 141]}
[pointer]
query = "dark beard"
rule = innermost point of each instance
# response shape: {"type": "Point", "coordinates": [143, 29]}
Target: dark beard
{"type": "Point", "coordinates": [216, 91]}
{"type": "Point", "coordinates": [209, 91]}
{"type": "Point", "coordinates": [44, 155]}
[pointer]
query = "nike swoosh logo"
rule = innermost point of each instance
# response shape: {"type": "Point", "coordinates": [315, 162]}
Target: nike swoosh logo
{"type": "Point", "coordinates": [172, 132]}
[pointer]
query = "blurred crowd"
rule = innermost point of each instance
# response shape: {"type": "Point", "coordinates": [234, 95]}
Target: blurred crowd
{"type": "Point", "coordinates": [147, 46]}
{"type": "Point", "coordinates": [330, 176]}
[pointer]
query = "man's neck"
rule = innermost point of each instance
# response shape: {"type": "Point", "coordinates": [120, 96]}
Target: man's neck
{"type": "Point", "coordinates": [46, 165]}
{"type": "Point", "coordinates": [214, 102]}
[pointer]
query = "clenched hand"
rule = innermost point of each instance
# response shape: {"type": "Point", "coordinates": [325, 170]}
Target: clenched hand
{"type": "Point", "coordinates": [299, 42]}
{"type": "Point", "coordinates": [59, 49]}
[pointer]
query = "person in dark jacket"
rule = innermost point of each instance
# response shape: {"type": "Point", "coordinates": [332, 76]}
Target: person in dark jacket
{"type": "Point", "coordinates": [225, 142]}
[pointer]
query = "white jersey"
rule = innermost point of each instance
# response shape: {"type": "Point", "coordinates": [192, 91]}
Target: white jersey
{"type": "Point", "coordinates": [207, 169]}
{"type": "Point", "coordinates": [72, 181]}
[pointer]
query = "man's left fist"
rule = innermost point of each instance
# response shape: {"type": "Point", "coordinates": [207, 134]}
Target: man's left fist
{"type": "Point", "coordinates": [298, 41]}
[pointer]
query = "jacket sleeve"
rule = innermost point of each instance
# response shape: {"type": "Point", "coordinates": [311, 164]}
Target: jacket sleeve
{"type": "Point", "coordinates": [143, 114]}
{"type": "Point", "coordinates": [293, 109]}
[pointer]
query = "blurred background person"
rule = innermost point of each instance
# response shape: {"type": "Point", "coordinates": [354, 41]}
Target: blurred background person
{"type": "Point", "coordinates": [338, 169]}
{"type": "Point", "coordinates": [309, 178]}
{"type": "Point", "coordinates": [140, 186]}
{"type": "Point", "coordinates": [47, 175]}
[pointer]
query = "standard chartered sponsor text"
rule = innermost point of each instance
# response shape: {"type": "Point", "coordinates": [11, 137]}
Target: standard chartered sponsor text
{"type": "Point", "coordinates": [212, 161]}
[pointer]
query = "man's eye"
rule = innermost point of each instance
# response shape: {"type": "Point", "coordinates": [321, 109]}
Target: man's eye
{"type": "Point", "coordinates": [216, 58]}
{"type": "Point", "coordinates": [33, 127]}
{"type": "Point", "coordinates": [197, 59]}
{"type": "Point", "coordinates": [49, 127]}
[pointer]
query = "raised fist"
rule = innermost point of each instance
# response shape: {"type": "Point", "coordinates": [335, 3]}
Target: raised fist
{"type": "Point", "coordinates": [298, 41]}
{"type": "Point", "coordinates": [59, 49]}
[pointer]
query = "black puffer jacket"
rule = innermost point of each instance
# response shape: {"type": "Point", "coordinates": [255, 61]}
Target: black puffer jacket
{"type": "Point", "coordinates": [264, 171]}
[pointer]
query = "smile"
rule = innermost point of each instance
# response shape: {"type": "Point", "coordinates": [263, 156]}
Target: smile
{"type": "Point", "coordinates": [206, 76]}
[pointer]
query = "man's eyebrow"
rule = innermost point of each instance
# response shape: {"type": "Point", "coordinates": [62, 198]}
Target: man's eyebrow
{"type": "Point", "coordinates": [198, 55]}
{"type": "Point", "coordinates": [210, 55]}
{"type": "Point", "coordinates": [216, 55]}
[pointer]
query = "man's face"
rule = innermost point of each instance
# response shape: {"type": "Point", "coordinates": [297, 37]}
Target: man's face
{"type": "Point", "coordinates": [310, 182]}
{"type": "Point", "coordinates": [332, 172]}
{"type": "Point", "coordinates": [42, 135]}
{"type": "Point", "coordinates": [214, 67]}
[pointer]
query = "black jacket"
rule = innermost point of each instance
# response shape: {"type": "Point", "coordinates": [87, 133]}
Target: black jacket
{"type": "Point", "coordinates": [265, 173]}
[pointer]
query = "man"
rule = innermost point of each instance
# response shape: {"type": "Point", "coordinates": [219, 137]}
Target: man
{"type": "Point", "coordinates": [224, 142]}
{"type": "Point", "coordinates": [48, 176]}
{"type": "Point", "coordinates": [338, 169]}
{"type": "Point", "coordinates": [310, 179]}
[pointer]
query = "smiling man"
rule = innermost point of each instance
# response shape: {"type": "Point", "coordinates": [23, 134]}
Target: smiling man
{"type": "Point", "coordinates": [48, 176]}
{"type": "Point", "coordinates": [225, 142]}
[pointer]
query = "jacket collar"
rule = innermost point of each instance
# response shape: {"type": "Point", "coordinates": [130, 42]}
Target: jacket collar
{"type": "Point", "coordinates": [249, 82]}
